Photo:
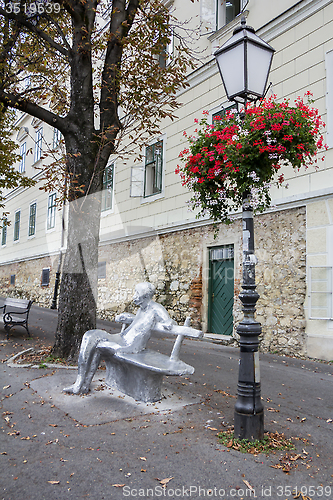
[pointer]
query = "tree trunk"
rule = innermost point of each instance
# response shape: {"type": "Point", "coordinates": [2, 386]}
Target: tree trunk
{"type": "Point", "coordinates": [78, 290]}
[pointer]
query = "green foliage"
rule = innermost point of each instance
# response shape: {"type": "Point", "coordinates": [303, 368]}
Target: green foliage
{"type": "Point", "coordinates": [271, 443]}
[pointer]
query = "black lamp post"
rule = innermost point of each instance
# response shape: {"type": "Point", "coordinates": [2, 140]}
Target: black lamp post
{"type": "Point", "coordinates": [244, 62]}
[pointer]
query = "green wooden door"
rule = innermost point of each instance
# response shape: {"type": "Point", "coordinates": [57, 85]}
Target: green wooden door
{"type": "Point", "coordinates": [221, 290]}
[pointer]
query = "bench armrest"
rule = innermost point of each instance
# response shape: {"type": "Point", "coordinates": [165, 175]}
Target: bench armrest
{"type": "Point", "coordinates": [186, 331]}
{"type": "Point", "coordinates": [17, 312]}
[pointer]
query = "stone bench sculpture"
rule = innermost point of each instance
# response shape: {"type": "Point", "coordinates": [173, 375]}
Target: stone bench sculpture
{"type": "Point", "coordinates": [140, 375]}
{"type": "Point", "coordinates": [131, 368]}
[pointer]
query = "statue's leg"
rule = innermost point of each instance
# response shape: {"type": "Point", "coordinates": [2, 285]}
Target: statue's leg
{"type": "Point", "coordinates": [88, 361]}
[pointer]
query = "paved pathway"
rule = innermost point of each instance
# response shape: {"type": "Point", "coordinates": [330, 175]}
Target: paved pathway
{"type": "Point", "coordinates": [105, 445]}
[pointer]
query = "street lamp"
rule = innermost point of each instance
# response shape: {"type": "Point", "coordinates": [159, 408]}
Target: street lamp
{"type": "Point", "coordinates": [244, 62]}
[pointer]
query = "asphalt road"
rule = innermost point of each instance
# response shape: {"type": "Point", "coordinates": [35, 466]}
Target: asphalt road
{"type": "Point", "coordinates": [101, 446]}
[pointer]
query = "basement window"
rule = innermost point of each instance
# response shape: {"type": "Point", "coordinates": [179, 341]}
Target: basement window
{"type": "Point", "coordinates": [320, 292]}
{"type": "Point", "coordinates": [46, 276]}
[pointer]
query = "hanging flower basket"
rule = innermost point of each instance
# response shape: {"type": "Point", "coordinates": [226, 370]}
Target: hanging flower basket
{"type": "Point", "coordinates": [241, 156]}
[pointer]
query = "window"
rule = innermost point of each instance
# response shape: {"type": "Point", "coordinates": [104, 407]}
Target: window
{"type": "Point", "coordinates": [23, 150]}
{"type": "Point", "coordinates": [153, 169]}
{"type": "Point", "coordinates": [38, 144]}
{"type": "Point", "coordinates": [227, 10]}
{"type": "Point", "coordinates": [12, 279]}
{"type": "Point", "coordinates": [46, 276]}
{"type": "Point", "coordinates": [17, 225]}
{"type": "Point", "coordinates": [32, 219]}
{"type": "Point", "coordinates": [4, 232]}
{"type": "Point", "coordinates": [320, 292]}
{"type": "Point", "coordinates": [107, 188]}
{"type": "Point", "coordinates": [221, 112]}
{"type": "Point", "coordinates": [165, 57]}
{"type": "Point", "coordinates": [101, 271]}
{"type": "Point", "coordinates": [56, 138]}
{"type": "Point", "coordinates": [51, 211]}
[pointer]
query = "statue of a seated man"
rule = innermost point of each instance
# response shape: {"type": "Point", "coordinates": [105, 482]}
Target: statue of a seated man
{"type": "Point", "coordinates": [132, 340]}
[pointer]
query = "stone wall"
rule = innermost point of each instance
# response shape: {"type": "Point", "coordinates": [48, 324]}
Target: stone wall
{"type": "Point", "coordinates": [176, 263]}
{"type": "Point", "coordinates": [281, 280]}
{"type": "Point", "coordinates": [28, 280]}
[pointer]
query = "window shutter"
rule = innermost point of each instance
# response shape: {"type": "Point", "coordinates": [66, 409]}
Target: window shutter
{"type": "Point", "coordinates": [329, 97]}
{"type": "Point", "coordinates": [137, 176]}
{"type": "Point", "coordinates": [208, 15]}
{"type": "Point", "coordinates": [320, 292]}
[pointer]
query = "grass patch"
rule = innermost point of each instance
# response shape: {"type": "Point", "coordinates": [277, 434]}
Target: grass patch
{"type": "Point", "coordinates": [272, 442]}
{"type": "Point", "coordinates": [54, 359]}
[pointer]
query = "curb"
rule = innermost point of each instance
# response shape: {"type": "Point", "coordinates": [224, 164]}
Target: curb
{"type": "Point", "coordinates": [11, 362]}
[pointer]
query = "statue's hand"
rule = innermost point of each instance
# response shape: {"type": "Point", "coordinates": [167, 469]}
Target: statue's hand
{"type": "Point", "coordinates": [124, 318]}
{"type": "Point", "coordinates": [167, 326]}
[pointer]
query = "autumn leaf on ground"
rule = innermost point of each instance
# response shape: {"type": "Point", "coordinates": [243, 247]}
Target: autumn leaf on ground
{"type": "Point", "coordinates": [249, 486]}
{"type": "Point", "coordinates": [54, 482]}
{"type": "Point", "coordinates": [165, 481]}
{"type": "Point", "coordinates": [143, 458]}
{"type": "Point", "coordinates": [118, 485]}
{"type": "Point", "coordinates": [6, 387]}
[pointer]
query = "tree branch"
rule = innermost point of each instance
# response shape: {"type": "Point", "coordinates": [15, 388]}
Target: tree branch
{"type": "Point", "coordinates": [34, 29]}
{"type": "Point", "coordinates": [33, 109]}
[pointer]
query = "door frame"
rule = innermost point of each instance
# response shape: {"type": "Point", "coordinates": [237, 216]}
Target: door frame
{"type": "Point", "coordinates": [234, 239]}
{"type": "Point", "coordinates": [210, 286]}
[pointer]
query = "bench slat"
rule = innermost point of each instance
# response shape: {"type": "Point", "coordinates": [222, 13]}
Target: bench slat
{"type": "Point", "coordinates": [156, 362]}
{"type": "Point", "coordinates": [19, 303]}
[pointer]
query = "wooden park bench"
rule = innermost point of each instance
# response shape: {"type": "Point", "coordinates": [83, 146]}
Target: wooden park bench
{"type": "Point", "coordinates": [16, 313]}
{"type": "Point", "coordinates": [140, 375]}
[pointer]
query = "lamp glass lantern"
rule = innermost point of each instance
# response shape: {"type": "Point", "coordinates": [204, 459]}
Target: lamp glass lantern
{"type": "Point", "coordinates": [244, 62]}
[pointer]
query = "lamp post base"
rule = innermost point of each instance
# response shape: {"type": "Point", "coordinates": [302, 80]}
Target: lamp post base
{"type": "Point", "coordinates": [249, 426]}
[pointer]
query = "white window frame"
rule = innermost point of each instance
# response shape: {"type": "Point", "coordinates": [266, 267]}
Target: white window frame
{"type": "Point", "coordinates": [312, 292]}
{"type": "Point", "coordinates": [156, 174]}
{"type": "Point", "coordinates": [221, 11]}
{"type": "Point", "coordinates": [23, 152]}
{"type": "Point", "coordinates": [38, 144]}
{"type": "Point", "coordinates": [35, 219]}
{"type": "Point", "coordinates": [51, 212]}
